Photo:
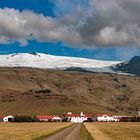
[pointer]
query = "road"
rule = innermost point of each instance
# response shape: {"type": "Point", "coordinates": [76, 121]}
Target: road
{"type": "Point", "coordinates": [70, 133]}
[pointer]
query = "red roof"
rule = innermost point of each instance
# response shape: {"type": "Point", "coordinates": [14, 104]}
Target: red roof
{"type": "Point", "coordinates": [100, 115]}
{"type": "Point", "coordinates": [46, 116]}
{"type": "Point", "coordinates": [78, 115]}
{"type": "Point", "coordinates": [1, 117]}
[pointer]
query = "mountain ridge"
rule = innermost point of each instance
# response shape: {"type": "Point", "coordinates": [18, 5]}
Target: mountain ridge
{"type": "Point", "coordinates": [132, 66]}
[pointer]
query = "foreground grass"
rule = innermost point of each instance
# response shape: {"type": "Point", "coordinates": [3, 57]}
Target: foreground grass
{"type": "Point", "coordinates": [84, 134]}
{"type": "Point", "coordinates": [114, 131]}
{"type": "Point", "coordinates": [28, 131]}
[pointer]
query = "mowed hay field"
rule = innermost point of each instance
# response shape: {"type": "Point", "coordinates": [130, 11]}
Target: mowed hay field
{"type": "Point", "coordinates": [114, 131]}
{"type": "Point", "coordinates": [28, 131]}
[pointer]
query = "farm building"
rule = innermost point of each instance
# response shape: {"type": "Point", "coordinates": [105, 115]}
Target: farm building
{"type": "Point", "coordinates": [49, 118]}
{"type": "Point", "coordinates": [6, 118]}
{"type": "Point", "coordinates": [130, 119]}
{"type": "Point", "coordinates": [106, 118]}
{"type": "Point", "coordinates": [77, 118]}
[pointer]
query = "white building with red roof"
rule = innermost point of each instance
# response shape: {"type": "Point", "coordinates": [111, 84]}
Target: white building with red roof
{"type": "Point", "coordinates": [77, 118]}
{"type": "Point", "coordinates": [106, 118]}
{"type": "Point", "coordinates": [49, 118]}
{"type": "Point", "coordinates": [8, 118]}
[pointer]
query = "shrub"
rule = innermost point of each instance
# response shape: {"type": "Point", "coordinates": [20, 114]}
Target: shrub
{"type": "Point", "coordinates": [25, 119]}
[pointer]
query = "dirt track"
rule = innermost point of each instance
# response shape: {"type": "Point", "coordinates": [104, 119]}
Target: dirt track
{"type": "Point", "coordinates": [70, 133]}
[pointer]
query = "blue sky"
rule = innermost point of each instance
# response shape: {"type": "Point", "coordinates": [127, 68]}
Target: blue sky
{"type": "Point", "coordinates": [60, 13]}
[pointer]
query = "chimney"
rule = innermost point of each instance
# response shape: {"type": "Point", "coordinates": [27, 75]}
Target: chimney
{"type": "Point", "coordinates": [69, 113]}
{"type": "Point", "coordinates": [81, 114]}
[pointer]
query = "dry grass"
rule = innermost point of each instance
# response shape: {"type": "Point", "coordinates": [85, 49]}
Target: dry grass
{"type": "Point", "coordinates": [76, 92]}
{"type": "Point", "coordinates": [28, 131]}
{"type": "Point", "coordinates": [114, 131]}
{"type": "Point", "coordinates": [84, 134]}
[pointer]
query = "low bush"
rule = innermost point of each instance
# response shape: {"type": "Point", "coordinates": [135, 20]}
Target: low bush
{"type": "Point", "coordinates": [25, 119]}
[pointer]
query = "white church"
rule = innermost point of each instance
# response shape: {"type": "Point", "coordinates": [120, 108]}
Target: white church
{"type": "Point", "coordinates": [77, 118]}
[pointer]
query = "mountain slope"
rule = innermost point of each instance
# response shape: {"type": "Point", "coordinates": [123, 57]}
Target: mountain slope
{"type": "Point", "coordinates": [132, 66]}
{"type": "Point", "coordinates": [45, 61]}
{"type": "Point", "coordinates": [35, 91]}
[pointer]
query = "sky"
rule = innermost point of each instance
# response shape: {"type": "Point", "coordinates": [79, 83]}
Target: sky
{"type": "Point", "coordinates": [98, 29]}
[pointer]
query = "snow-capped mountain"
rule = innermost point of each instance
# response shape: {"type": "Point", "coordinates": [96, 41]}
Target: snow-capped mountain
{"type": "Point", "coordinates": [132, 66]}
{"type": "Point", "coordinates": [46, 61]}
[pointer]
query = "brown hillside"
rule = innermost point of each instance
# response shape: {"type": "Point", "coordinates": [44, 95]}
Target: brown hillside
{"type": "Point", "coordinates": [34, 91]}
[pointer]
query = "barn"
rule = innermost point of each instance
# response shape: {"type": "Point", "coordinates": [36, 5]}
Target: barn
{"type": "Point", "coordinates": [8, 118]}
{"type": "Point", "coordinates": [49, 118]}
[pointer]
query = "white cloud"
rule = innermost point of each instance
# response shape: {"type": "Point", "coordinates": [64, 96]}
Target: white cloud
{"type": "Point", "coordinates": [97, 23]}
{"type": "Point", "coordinates": [22, 26]}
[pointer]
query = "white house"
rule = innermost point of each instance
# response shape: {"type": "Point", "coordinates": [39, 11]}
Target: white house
{"type": "Point", "coordinates": [77, 118]}
{"type": "Point", "coordinates": [106, 118]}
{"type": "Point", "coordinates": [49, 118]}
{"type": "Point", "coordinates": [117, 118]}
{"type": "Point", "coordinates": [8, 118]}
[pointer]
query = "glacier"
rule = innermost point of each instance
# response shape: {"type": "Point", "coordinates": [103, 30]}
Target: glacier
{"type": "Point", "coordinates": [46, 61]}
